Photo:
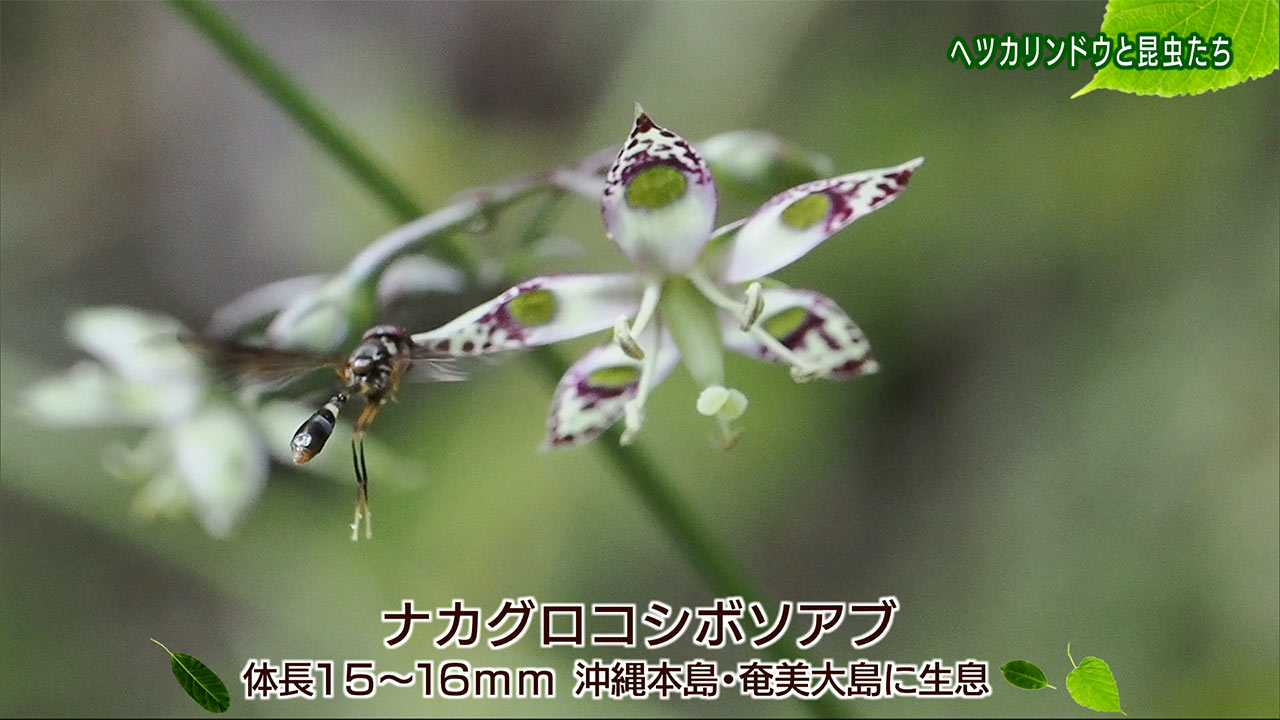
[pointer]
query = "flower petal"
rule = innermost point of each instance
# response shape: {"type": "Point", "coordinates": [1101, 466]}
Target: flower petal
{"type": "Point", "coordinates": [320, 320]}
{"type": "Point", "coordinates": [593, 393]}
{"type": "Point", "coordinates": [90, 395]}
{"type": "Point", "coordinates": [812, 327]}
{"type": "Point", "coordinates": [219, 456]}
{"type": "Point", "coordinates": [259, 304]}
{"type": "Point", "coordinates": [794, 222]}
{"type": "Point", "coordinates": [761, 161]}
{"type": "Point", "coordinates": [138, 345]}
{"type": "Point", "coordinates": [538, 311]}
{"type": "Point", "coordinates": [659, 201]}
{"type": "Point", "coordinates": [414, 274]}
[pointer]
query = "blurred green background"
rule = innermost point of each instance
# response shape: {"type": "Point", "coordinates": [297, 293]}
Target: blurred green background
{"type": "Point", "coordinates": [1076, 307]}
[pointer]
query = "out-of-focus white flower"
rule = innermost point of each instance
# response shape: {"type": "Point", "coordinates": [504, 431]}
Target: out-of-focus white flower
{"type": "Point", "coordinates": [200, 451]}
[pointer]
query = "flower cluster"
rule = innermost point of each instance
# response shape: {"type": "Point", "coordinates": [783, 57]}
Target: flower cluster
{"type": "Point", "coordinates": [695, 290]}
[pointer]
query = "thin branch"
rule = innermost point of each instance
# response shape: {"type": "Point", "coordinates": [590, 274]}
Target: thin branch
{"type": "Point", "coordinates": [280, 88]}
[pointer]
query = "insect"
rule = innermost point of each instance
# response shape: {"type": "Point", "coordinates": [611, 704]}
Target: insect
{"type": "Point", "coordinates": [385, 356]}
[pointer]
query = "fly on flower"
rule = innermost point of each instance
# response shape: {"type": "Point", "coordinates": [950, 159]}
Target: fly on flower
{"type": "Point", "coordinates": [385, 356]}
{"type": "Point", "coordinates": [694, 291]}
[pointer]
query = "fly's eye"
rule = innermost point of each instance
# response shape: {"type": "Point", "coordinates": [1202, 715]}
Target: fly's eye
{"type": "Point", "coordinates": [361, 364]}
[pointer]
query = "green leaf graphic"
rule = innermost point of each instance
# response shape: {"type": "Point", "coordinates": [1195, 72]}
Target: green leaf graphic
{"type": "Point", "coordinates": [1025, 675]}
{"type": "Point", "coordinates": [202, 684]}
{"type": "Point", "coordinates": [1092, 685]}
{"type": "Point", "coordinates": [1252, 26]}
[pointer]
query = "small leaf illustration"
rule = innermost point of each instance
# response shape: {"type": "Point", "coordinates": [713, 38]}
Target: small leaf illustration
{"type": "Point", "coordinates": [1092, 685]}
{"type": "Point", "coordinates": [202, 684]}
{"type": "Point", "coordinates": [1025, 675]}
{"type": "Point", "coordinates": [1251, 25]}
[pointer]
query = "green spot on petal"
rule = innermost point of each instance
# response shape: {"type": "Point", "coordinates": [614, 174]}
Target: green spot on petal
{"type": "Point", "coordinates": [614, 377]}
{"type": "Point", "coordinates": [656, 187]}
{"type": "Point", "coordinates": [807, 211]}
{"type": "Point", "coordinates": [533, 308]}
{"type": "Point", "coordinates": [782, 324]}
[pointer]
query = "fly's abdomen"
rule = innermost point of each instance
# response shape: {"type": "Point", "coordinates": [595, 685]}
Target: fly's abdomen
{"type": "Point", "coordinates": [309, 440]}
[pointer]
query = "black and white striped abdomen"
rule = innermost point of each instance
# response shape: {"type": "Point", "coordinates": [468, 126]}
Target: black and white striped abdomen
{"type": "Point", "coordinates": [315, 432]}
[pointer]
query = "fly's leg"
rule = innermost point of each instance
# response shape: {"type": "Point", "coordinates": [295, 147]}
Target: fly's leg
{"type": "Point", "coordinates": [362, 472]}
{"type": "Point", "coordinates": [362, 490]}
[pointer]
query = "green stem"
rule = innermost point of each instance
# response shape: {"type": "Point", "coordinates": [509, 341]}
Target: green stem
{"type": "Point", "coordinates": [546, 214]}
{"type": "Point", "coordinates": [710, 559]}
{"type": "Point", "coordinates": [165, 648]}
{"type": "Point", "coordinates": [280, 88]}
{"type": "Point", "coordinates": [369, 263]}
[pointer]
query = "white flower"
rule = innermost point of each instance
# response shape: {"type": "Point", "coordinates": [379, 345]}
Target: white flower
{"type": "Point", "coordinates": [201, 452]}
{"type": "Point", "coordinates": [694, 291]}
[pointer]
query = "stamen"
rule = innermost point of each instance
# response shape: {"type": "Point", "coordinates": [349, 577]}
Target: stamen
{"type": "Point", "coordinates": [622, 335]}
{"type": "Point", "coordinates": [626, 336]}
{"type": "Point", "coordinates": [713, 292]}
{"type": "Point", "coordinates": [754, 307]}
{"type": "Point", "coordinates": [648, 303]}
{"type": "Point", "coordinates": [634, 408]}
{"type": "Point", "coordinates": [747, 311]}
{"type": "Point", "coordinates": [634, 419]}
{"type": "Point", "coordinates": [801, 371]}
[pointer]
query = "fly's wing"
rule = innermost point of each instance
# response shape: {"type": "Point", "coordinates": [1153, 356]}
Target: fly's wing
{"type": "Point", "coordinates": [241, 363]}
{"type": "Point", "coordinates": [427, 365]}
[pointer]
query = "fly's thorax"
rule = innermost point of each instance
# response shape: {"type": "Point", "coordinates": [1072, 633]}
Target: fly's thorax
{"type": "Point", "coordinates": [371, 366]}
{"type": "Point", "coordinates": [393, 337]}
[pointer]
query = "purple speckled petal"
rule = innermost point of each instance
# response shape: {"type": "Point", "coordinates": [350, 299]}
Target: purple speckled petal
{"type": "Point", "coordinates": [538, 311]}
{"type": "Point", "coordinates": [593, 393]}
{"type": "Point", "coordinates": [660, 232]}
{"type": "Point", "coordinates": [811, 326]}
{"type": "Point", "coordinates": [795, 221]}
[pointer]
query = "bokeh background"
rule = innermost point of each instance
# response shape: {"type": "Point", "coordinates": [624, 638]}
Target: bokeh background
{"type": "Point", "coordinates": [1076, 307]}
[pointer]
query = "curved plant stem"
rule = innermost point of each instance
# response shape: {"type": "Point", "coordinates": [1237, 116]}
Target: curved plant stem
{"type": "Point", "coordinates": [710, 559]}
{"type": "Point", "coordinates": [276, 84]}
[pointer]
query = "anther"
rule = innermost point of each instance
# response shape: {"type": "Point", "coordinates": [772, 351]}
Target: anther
{"type": "Point", "coordinates": [622, 335]}
{"type": "Point", "coordinates": [753, 307]}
